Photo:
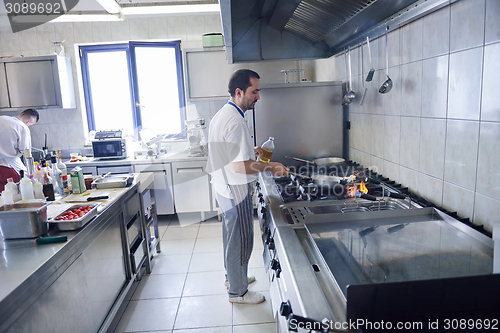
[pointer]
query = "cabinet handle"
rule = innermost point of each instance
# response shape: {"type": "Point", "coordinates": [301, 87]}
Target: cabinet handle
{"type": "Point", "coordinates": [186, 170]}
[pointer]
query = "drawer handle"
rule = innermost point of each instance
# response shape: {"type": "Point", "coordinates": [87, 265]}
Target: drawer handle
{"type": "Point", "coordinates": [186, 170]}
{"type": "Point", "coordinates": [129, 225]}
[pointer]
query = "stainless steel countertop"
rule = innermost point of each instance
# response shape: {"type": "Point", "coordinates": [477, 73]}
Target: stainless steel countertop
{"type": "Point", "coordinates": [20, 259]}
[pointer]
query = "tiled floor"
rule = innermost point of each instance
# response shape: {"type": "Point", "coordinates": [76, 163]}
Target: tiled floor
{"type": "Point", "coordinates": [185, 292]}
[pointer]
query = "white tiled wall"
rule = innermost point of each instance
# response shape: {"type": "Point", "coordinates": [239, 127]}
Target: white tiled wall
{"type": "Point", "coordinates": [438, 130]}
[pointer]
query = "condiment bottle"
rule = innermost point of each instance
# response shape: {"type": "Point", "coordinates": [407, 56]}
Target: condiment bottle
{"type": "Point", "coordinates": [47, 183]}
{"type": "Point", "coordinates": [7, 197]}
{"type": "Point", "coordinates": [56, 175]}
{"type": "Point", "coordinates": [38, 190]}
{"type": "Point", "coordinates": [64, 172]}
{"type": "Point", "coordinates": [26, 188]}
{"type": "Point", "coordinates": [11, 186]}
{"type": "Point", "coordinates": [267, 150]}
{"type": "Point", "coordinates": [37, 172]}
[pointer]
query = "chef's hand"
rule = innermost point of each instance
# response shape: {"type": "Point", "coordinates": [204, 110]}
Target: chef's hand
{"type": "Point", "coordinates": [278, 169]}
{"type": "Point", "coordinates": [258, 151]}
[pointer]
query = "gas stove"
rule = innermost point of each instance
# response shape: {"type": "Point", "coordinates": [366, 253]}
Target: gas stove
{"type": "Point", "coordinates": [343, 181]}
{"type": "Point", "coordinates": [324, 245]}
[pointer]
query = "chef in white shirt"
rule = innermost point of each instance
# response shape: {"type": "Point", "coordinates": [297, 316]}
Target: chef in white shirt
{"type": "Point", "coordinates": [231, 163]}
{"type": "Point", "coordinates": [14, 139]}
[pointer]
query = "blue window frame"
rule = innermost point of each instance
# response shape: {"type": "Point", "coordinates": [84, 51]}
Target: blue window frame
{"type": "Point", "coordinates": [117, 74]}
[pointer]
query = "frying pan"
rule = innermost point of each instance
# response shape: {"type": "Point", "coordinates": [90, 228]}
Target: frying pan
{"type": "Point", "coordinates": [321, 180]}
{"type": "Point", "coordinates": [322, 161]}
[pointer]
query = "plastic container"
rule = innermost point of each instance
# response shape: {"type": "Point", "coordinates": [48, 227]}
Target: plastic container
{"type": "Point", "coordinates": [26, 188]}
{"type": "Point", "coordinates": [11, 186]}
{"type": "Point", "coordinates": [267, 150]}
{"type": "Point", "coordinates": [37, 172]}
{"type": "Point", "coordinates": [38, 190]}
{"type": "Point", "coordinates": [7, 197]}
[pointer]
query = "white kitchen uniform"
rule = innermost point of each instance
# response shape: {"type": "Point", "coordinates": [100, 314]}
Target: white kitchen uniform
{"type": "Point", "coordinates": [14, 139]}
{"type": "Point", "coordinates": [229, 140]}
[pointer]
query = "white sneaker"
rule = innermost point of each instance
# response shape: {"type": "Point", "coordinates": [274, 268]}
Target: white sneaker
{"type": "Point", "coordinates": [251, 279]}
{"type": "Point", "coordinates": [251, 297]}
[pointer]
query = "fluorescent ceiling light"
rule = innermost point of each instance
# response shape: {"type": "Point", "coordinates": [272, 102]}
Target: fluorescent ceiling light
{"type": "Point", "coordinates": [171, 9]}
{"type": "Point", "coordinates": [67, 18]}
{"type": "Point", "coordinates": [88, 18]}
{"type": "Point", "coordinates": [111, 6]}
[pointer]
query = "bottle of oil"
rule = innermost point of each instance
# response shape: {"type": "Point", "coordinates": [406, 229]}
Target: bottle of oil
{"type": "Point", "coordinates": [267, 150]}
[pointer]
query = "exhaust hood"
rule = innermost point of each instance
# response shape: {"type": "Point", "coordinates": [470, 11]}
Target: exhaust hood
{"type": "Point", "coordinates": [257, 30]}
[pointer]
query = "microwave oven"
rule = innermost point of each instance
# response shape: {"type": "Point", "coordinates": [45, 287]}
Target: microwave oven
{"type": "Point", "coordinates": [109, 149]}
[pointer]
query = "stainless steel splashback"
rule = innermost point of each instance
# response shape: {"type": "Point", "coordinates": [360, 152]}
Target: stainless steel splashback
{"type": "Point", "coordinates": [305, 119]}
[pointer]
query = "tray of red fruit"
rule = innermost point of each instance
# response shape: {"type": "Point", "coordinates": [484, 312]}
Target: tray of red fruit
{"type": "Point", "coordinates": [76, 216]}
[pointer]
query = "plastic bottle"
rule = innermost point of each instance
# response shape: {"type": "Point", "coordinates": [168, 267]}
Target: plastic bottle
{"type": "Point", "coordinates": [26, 188]}
{"type": "Point", "coordinates": [64, 172]}
{"type": "Point", "coordinates": [11, 186]}
{"type": "Point", "coordinates": [37, 172]}
{"type": "Point", "coordinates": [267, 150]}
{"type": "Point", "coordinates": [38, 190]}
{"type": "Point", "coordinates": [7, 197]}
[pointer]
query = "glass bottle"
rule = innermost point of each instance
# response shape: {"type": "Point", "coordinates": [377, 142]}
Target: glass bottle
{"type": "Point", "coordinates": [56, 175]}
{"type": "Point", "coordinates": [64, 172]}
{"type": "Point", "coordinates": [47, 183]}
{"type": "Point", "coordinates": [267, 150]}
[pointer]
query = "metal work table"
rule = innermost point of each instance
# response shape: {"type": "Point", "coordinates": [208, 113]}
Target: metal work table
{"type": "Point", "coordinates": [28, 270]}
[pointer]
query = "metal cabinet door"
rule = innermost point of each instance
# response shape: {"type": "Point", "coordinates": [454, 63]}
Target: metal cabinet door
{"type": "Point", "coordinates": [31, 83]}
{"type": "Point", "coordinates": [191, 187]}
{"type": "Point", "coordinates": [162, 186]}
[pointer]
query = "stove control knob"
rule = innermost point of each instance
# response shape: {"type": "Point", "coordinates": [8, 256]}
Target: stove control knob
{"type": "Point", "coordinates": [261, 200]}
{"type": "Point", "coordinates": [275, 265]}
{"type": "Point", "coordinates": [271, 245]}
{"type": "Point", "coordinates": [269, 239]}
{"type": "Point", "coordinates": [260, 195]}
{"type": "Point", "coordinates": [285, 309]}
{"type": "Point", "coordinates": [257, 185]}
{"type": "Point", "coordinates": [263, 210]}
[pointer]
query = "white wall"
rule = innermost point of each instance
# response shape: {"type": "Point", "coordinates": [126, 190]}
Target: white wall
{"type": "Point", "coordinates": [64, 127]}
{"type": "Point", "coordinates": [438, 130]}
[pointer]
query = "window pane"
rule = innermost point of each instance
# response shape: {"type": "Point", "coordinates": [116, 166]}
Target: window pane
{"type": "Point", "coordinates": [158, 89]}
{"type": "Point", "coordinates": [108, 72]}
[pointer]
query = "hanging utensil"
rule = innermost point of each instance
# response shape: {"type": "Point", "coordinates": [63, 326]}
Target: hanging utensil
{"type": "Point", "coordinates": [387, 85]}
{"type": "Point", "coordinates": [369, 77]}
{"type": "Point", "coordinates": [363, 82]}
{"type": "Point", "coordinates": [346, 99]}
{"type": "Point", "coordinates": [351, 95]}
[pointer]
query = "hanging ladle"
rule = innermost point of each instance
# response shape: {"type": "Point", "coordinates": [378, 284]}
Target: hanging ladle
{"type": "Point", "coordinates": [351, 95]}
{"type": "Point", "coordinates": [387, 85]}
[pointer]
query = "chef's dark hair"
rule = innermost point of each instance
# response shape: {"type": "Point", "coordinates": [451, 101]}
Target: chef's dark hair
{"type": "Point", "coordinates": [32, 113]}
{"type": "Point", "coordinates": [241, 79]}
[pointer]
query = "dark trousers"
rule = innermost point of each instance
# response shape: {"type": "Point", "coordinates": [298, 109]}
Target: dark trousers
{"type": "Point", "coordinates": [5, 173]}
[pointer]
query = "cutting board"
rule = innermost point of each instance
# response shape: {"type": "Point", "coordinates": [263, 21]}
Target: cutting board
{"type": "Point", "coordinates": [113, 194]}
